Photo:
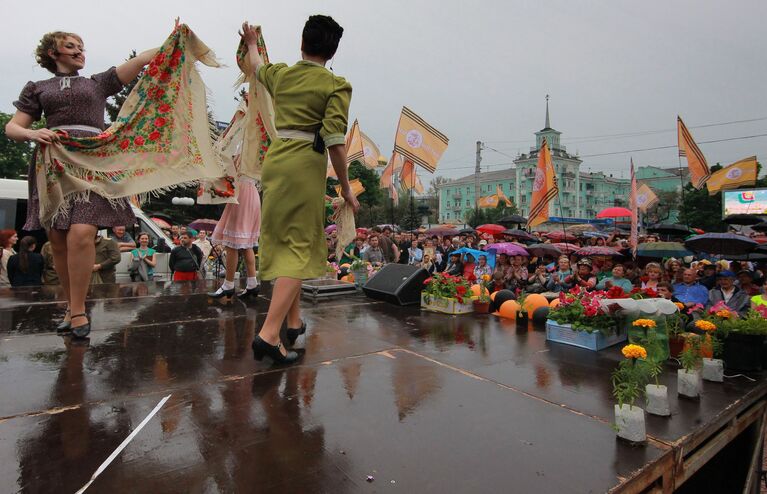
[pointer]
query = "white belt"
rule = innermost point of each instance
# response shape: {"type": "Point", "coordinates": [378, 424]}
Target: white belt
{"type": "Point", "coordinates": [82, 128]}
{"type": "Point", "coordinates": [295, 134]}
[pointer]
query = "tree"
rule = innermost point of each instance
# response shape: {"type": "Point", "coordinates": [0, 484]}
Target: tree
{"type": "Point", "coordinates": [668, 203]}
{"type": "Point", "coordinates": [435, 183]}
{"type": "Point", "coordinates": [14, 156]}
{"type": "Point", "coordinates": [373, 194]}
{"type": "Point", "coordinates": [700, 210]}
{"type": "Point", "coordinates": [481, 216]}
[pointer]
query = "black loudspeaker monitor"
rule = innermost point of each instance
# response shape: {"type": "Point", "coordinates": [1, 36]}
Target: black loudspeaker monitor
{"type": "Point", "coordinates": [399, 284]}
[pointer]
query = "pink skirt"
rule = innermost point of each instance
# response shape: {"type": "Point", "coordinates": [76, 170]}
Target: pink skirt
{"type": "Point", "coordinates": [240, 224]}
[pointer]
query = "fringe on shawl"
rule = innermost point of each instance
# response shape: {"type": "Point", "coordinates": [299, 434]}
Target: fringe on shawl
{"type": "Point", "coordinates": [346, 231]}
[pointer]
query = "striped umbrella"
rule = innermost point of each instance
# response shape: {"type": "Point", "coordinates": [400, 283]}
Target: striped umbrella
{"type": "Point", "coordinates": [566, 248]}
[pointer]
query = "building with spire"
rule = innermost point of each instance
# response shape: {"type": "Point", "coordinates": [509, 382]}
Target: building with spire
{"type": "Point", "coordinates": [581, 195]}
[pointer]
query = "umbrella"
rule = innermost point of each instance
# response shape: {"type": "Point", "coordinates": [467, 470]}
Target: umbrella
{"type": "Point", "coordinates": [742, 219]}
{"type": "Point", "coordinates": [561, 236]}
{"type": "Point", "coordinates": [614, 213]}
{"type": "Point", "coordinates": [721, 244]}
{"type": "Point", "coordinates": [508, 248]}
{"type": "Point", "coordinates": [442, 230]}
{"type": "Point", "coordinates": [596, 235]}
{"type": "Point", "coordinates": [760, 227]}
{"type": "Point", "coordinates": [597, 251]}
{"type": "Point", "coordinates": [203, 224]}
{"type": "Point", "coordinates": [582, 228]}
{"type": "Point", "coordinates": [541, 250]}
{"type": "Point", "coordinates": [753, 256]}
{"type": "Point", "coordinates": [466, 231]}
{"type": "Point", "coordinates": [670, 229]}
{"type": "Point", "coordinates": [513, 219]}
{"type": "Point", "coordinates": [330, 228]}
{"type": "Point", "coordinates": [161, 223]}
{"type": "Point", "coordinates": [659, 250]}
{"type": "Point", "coordinates": [566, 248]}
{"type": "Point", "coordinates": [520, 234]}
{"type": "Point", "coordinates": [476, 253]}
{"type": "Point", "coordinates": [491, 229]}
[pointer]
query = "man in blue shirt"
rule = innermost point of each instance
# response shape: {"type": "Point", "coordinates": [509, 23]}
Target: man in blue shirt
{"type": "Point", "coordinates": [690, 292]}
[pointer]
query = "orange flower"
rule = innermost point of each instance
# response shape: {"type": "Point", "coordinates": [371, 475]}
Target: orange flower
{"type": "Point", "coordinates": [644, 323]}
{"type": "Point", "coordinates": [634, 351]}
{"type": "Point", "coordinates": [704, 325]}
{"type": "Point", "coordinates": [679, 305]}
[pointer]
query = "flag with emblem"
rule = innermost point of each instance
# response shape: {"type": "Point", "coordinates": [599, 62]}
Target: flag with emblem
{"type": "Point", "coordinates": [391, 169]}
{"type": "Point", "coordinates": [544, 188]}
{"type": "Point", "coordinates": [419, 142]}
{"type": "Point", "coordinates": [739, 174]}
{"type": "Point", "coordinates": [646, 198]}
{"type": "Point", "coordinates": [370, 151]}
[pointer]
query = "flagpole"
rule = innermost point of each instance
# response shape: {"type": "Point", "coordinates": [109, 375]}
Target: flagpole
{"type": "Point", "coordinates": [682, 207]}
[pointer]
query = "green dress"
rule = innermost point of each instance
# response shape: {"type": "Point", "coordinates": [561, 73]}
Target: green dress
{"type": "Point", "coordinates": [307, 97]}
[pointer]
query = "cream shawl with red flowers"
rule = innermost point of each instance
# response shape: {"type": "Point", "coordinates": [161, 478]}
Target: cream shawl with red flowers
{"type": "Point", "coordinates": [161, 139]}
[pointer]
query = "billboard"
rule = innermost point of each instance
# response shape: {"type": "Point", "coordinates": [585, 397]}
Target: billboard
{"type": "Point", "coordinates": [750, 201]}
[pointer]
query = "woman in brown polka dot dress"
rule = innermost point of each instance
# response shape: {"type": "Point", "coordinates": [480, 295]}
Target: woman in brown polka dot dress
{"type": "Point", "coordinates": [73, 104]}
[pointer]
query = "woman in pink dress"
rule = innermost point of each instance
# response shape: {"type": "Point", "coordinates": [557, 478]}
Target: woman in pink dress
{"type": "Point", "coordinates": [237, 230]}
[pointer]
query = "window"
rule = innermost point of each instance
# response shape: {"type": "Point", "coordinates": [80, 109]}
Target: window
{"type": "Point", "coordinates": [448, 203]}
{"type": "Point", "coordinates": [467, 203]}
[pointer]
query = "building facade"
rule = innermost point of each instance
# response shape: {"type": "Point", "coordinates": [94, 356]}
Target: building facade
{"type": "Point", "coordinates": [581, 195]}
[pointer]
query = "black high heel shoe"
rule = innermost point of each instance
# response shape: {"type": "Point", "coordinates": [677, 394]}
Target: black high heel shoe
{"type": "Point", "coordinates": [250, 292]}
{"type": "Point", "coordinates": [292, 334]}
{"type": "Point", "coordinates": [81, 331]}
{"type": "Point", "coordinates": [64, 326]}
{"type": "Point", "coordinates": [262, 349]}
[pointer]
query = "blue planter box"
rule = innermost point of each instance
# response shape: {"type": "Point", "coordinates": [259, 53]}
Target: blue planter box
{"type": "Point", "coordinates": [563, 333]}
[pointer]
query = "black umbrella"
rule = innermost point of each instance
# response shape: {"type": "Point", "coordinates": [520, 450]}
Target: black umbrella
{"type": "Point", "coordinates": [742, 219]}
{"type": "Point", "coordinates": [466, 231]}
{"type": "Point", "coordinates": [721, 244]}
{"type": "Point", "coordinates": [753, 256]}
{"type": "Point", "coordinates": [670, 229]}
{"type": "Point", "coordinates": [513, 219]}
{"type": "Point", "coordinates": [760, 227]}
{"type": "Point", "coordinates": [541, 250]}
{"type": "Point", "coordinates": [520, 234]}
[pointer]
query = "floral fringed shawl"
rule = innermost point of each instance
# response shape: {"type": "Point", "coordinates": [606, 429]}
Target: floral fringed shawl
{"type": "Point", "coordinates": [161, 139]}
{"type": "Point", "coordinates": [243, 145]}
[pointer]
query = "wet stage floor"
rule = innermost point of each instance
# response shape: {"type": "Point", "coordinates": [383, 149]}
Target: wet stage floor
{"type": "Point", "coordinates": [420, 402]}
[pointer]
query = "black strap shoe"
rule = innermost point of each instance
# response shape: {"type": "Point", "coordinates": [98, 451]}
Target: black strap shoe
{"type": "Point", "coordinates": [263, 349]}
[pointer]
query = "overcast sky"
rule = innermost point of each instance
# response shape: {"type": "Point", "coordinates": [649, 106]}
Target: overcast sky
{"type": "Point", "coordinates": [474, 70]}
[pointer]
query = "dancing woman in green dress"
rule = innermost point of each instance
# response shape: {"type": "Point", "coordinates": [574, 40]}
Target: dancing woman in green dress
{"type": "Point", "coordinates": [310, 103]}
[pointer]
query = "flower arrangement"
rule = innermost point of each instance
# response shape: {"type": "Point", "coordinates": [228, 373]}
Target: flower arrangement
{"type": "Point", "coordinates": [753, 323]}
{"type": "Point", "coordinates": [583, 310]}
{"type": "Point", "coordinates": [332, 269]}
{"type": "Point", "coordinates": [444, 285]}
{"type": "Point", "coordinates": [632, 374]}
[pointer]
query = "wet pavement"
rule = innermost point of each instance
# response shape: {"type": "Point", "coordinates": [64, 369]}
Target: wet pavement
{"type": "Point", "coordinates": [420, 402]}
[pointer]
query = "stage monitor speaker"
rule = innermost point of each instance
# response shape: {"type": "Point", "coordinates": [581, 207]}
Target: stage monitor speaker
{"type": "Point", "coordinates": [399, 284]}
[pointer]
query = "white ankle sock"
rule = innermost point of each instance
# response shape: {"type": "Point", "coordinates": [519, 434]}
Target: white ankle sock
{"type": "Point", "coordinates": [228, 285]}
{"type": "Point", "coordinates": [252, 282]}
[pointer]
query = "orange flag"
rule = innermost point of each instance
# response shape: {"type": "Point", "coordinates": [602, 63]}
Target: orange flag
{"type": "Point", "coordinates": [696, 162]}
{"type": "Point", "coordinates": [407, 176]}
{"type": "Point", "coordinates": [394, 166]}
{"type": "Point", "coordinates": [371, 151]}
{"type": "Point", "coordinates": [634, 211]}
{"type": "Point", "coordinates": [488, 201]}
{"type": "Point", "coordinates": [355, 149]}
{"type": "Point", "coordinates": [355, 185]}
{"type": "Point", "coordinates": [502, 196]}
{"type": "Point", "coordinates": [736, 175]}
{"type": "Point", "coordinates": [646, 198]}
{"type": "Point", "coordinates": [418, 141]}
{"type": "Point", "coordinates": [544, 188]}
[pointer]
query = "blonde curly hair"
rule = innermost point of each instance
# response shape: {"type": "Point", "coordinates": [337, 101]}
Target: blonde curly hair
{"type": "Point", "coordinates": [51, 41]}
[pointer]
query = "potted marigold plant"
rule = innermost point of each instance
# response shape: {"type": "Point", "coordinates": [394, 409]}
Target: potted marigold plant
{"type": "Point", "coordinates": [522, 315]}
{"type": "Point", "coordinates": [743, 340]}
{"type": "Point", "coordinates": [483, 300]}
{"type": "Point", "coordinates": [628, 381]}
{"type": "Point", "coordinates": [675, 326]}
{"type": "Point", "coordinates": [446, 293]}
{"type": "Point", "coordinates": [713, 368]}
{"type": "Point", "coordinates": [688, 377]}
{"type": "Point", "coordinates": [645, 331]}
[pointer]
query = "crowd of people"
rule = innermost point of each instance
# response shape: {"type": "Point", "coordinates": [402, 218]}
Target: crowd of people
{"type": "Point", "coordinates": [741, 284]}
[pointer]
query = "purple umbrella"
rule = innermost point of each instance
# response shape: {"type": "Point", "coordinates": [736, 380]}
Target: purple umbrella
{"type": "Point", "coordinates": [508, 248]}
{"type": "Point", "coordinates": [597, 251]}
{"type": "Point", "coordinates": [203, 224]}
{"type": "Point", "coordinates": [443, 230]}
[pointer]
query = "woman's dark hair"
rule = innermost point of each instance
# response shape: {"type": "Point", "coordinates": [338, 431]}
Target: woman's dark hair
{"type": "Point", "coordinates": [148, 237]}
{"type": "Point", "coordinates": [27, 243]}
{"type": "Point", "coordinates": [321, 36]}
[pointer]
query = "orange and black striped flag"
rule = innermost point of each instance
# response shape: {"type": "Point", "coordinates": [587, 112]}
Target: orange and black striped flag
{"type": "Point", "coordinates": [545, 188]}
{"type": "Point", "coordinates": [696, 162]}
{"type": "Point", "coordinates": [419, 142]}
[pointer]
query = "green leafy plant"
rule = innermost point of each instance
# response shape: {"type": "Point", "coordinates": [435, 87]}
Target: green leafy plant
{"type": "Point", "coordinates": [752, 323]}
{"type": "Point", "coordinates": [575, 314]}
{"type": "Point", "coordinates": [690, 357]}
{"type": "Point", "coordinates": [632, 374]}
{"type": "Point", "coordinates": [444, 285]}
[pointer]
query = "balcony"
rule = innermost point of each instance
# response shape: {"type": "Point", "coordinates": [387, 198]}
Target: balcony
{"type": "Point", "coordinates": [458, 196]}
